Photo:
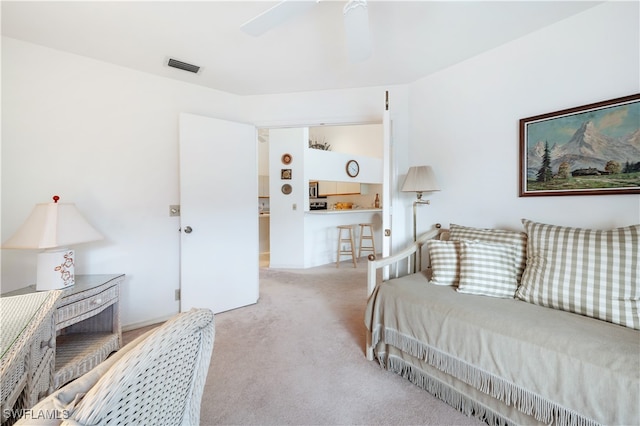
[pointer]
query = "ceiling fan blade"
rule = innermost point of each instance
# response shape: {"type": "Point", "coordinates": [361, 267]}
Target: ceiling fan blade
{"type": "Point", "coordinates": [356, 25]}
{"type": "Point", "coordinates": [275, 16]}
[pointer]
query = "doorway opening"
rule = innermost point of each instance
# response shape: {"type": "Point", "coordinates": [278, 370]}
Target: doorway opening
{"type": "Point", "coordinates": [312, 246]}
{"type": "Point", "coordinates": [264, 207]}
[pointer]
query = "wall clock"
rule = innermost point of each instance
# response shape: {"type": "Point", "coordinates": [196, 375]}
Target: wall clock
{"type": "Point", "coordinates": [353, 168]}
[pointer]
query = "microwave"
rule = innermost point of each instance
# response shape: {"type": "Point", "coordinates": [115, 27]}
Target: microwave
{"type": "Point", "coordinates": [313, 189]}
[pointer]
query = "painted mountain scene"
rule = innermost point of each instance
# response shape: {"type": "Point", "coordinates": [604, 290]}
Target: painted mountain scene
{"type": "Point", "coordinates": [598, 149]}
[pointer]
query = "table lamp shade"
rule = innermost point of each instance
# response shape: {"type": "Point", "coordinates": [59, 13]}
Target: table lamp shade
{"type": "Point", "coordinates": [54, 227]}
{"type": "Point", "coordinates": [420, 179]}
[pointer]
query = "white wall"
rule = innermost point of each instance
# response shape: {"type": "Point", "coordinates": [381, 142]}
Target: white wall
{"type": "Point", "coordinates": [286, 220]}
{"type": "Point", "coordinates": [332, 166]}
{"type": "Point", "coordinates": [106, 138]}
{"type": "Point", "coordinates": [464, 120]}
{"type": "Point", "coordinates": [363, 139]}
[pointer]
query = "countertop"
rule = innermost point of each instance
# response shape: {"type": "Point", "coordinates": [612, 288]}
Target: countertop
{"type": "Point", "coordinates": [342, 211]}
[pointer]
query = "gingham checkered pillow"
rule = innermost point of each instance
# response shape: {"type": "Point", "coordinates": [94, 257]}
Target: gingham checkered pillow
{"type": "Point", "coordinates": [487, 269]}
{"type": "Point", "coordinates": [445, 266]}
{"type": "Point", "coordinates": [496, 236]}
{"type": "Point", "coordinates": [588, 272]}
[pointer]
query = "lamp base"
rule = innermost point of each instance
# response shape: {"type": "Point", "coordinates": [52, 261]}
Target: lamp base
{"type": "Point", "coordinates": [55, 269]}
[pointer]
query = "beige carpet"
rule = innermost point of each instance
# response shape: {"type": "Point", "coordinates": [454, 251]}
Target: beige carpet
{"type": "Point", "coordinates": [297, 358]}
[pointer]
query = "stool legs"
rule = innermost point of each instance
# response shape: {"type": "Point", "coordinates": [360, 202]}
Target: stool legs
{"type": "Point", "coordinates": [347, 239]}
{"type": "Point", "coordinates": [363, 237]}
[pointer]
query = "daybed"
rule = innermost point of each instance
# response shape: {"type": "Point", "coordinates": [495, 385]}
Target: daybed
{"type": "Point", "coordinates": [514, 327]}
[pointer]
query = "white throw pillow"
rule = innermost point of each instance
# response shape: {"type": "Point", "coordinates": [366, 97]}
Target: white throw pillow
{"type": "Point", "coordinates": [487, 269]}
{"type": "Point", "coordinates": [445, 265]}
{"type": "Point", "coordinates": [589, 272]}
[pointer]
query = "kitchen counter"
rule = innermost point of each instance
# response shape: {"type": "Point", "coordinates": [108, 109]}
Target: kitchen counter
{"type": "Point", "coordinates": [321, 234]}
{"type": "Point", "coordinates": [341, 211]}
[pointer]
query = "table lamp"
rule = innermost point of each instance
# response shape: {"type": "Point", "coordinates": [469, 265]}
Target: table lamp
{"type": "Point", "coordinates": [53, 227]}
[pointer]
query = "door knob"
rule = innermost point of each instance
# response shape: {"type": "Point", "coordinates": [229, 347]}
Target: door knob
{"type": "Point", "coordinates": [187, 229]}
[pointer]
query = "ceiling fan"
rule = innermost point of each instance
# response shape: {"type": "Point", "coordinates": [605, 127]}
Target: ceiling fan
{"type": "Point", "coordinates": [356, 23]}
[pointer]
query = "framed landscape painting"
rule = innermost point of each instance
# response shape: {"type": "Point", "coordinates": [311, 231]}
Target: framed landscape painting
{"type": "Point", "coordinates": [588, 150]}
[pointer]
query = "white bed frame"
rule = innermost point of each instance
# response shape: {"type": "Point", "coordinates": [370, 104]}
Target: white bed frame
{"type": "Point", "coordinates": [405, 262]}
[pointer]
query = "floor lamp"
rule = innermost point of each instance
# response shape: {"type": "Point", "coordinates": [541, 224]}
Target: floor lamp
{"type": "Point", "coordinates": [419, 179]}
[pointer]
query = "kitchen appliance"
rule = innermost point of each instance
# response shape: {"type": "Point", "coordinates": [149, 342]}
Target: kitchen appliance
{"type": "Point", "coordinates": [318, 205]}
{"type": "Point", "coordinates": [313, 190]}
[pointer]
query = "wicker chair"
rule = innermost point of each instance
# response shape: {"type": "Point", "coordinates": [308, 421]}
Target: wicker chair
{"type": "Point", "coordinates": [156, 379]}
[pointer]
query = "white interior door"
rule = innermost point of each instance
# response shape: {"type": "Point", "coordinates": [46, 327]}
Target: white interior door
{"type": "Point", "coordinates": [218, 214]}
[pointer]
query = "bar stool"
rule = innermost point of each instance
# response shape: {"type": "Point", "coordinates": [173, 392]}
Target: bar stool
{"type": "Point", "coordinates": [347, 239]}
{"type": "Point", "coordinates": [363, 237]}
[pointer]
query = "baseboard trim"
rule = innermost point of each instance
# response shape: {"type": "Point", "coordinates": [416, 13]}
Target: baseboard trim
{"type": "Point", "coordinates": [137, 325]}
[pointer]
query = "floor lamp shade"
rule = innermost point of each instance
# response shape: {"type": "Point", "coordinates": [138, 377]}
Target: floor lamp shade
{"type": "Point", "coordinates": [420, 179]}
{"type": "Point", "coordinates": [53, 227]}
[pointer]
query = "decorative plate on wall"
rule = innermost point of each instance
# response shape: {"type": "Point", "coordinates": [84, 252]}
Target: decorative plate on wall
{"type": "Point", "coordinates": [286, 158]}
{"type": "Point", "coordinates": [286, 189]}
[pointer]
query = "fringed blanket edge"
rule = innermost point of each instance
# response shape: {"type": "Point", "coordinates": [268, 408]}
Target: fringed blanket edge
{"type": "Point", "coordinates": [528, 402]}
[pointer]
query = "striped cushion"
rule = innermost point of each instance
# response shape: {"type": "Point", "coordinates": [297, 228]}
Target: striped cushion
{"type": "Point", "coordinates": [445, 267]}
{"type": "Point", "coordinates": [588, 272]}
{"type": "Point", "coordinates": [487, 269]}
{"type": "Point", "coordinates": [495, 236]}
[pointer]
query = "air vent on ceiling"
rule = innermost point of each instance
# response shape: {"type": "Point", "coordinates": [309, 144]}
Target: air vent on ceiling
{"type": "Point", "coordinates": [174, 63]}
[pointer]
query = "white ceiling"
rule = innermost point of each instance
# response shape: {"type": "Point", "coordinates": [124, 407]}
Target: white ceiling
{"type": "Point", "coordinates": [410, 39]}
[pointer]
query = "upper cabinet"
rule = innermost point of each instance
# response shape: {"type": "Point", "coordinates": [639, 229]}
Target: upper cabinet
{"type": "Point", "coordinates": [326, 188]}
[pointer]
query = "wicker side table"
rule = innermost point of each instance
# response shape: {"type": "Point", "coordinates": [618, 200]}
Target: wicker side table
{"type": "Point", "coordinates": [87, 324]}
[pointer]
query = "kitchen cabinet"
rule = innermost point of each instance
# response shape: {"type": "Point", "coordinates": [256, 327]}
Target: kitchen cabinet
{"type": "Point", "coordinates": [347, 188]}
{"type": "Point", "coordinates": [326, 188]}
{"type": "Point", "coordinates": [337, 188]}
